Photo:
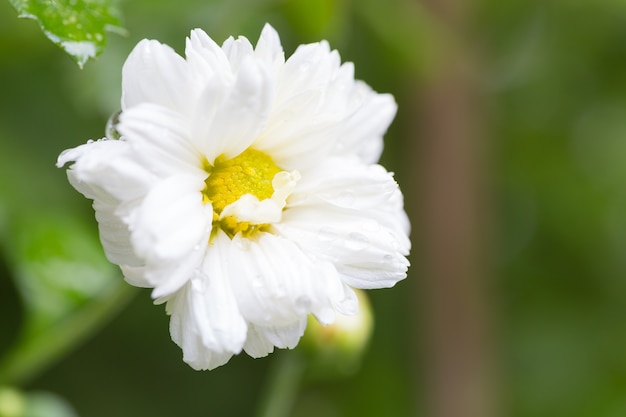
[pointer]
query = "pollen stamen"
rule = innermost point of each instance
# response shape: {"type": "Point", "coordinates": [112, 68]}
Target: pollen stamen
{"type": "Point", "coordinates": [250, 172]}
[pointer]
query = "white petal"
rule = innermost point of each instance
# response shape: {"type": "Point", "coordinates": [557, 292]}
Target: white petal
{"type": "Point", "coordinates": [364, 232]}
{"type": "Point", "coordinates": [262, 339]}
{"type": "Point", "coordinates": [160, 140]}
{"type": "Point", "coordinates": [185, 332]}
{"type": "Point", "coordinates": [321, 110]}
{"type": "Point", "coordinates": [365, 253]}
{"type": "Point", "coordinates": [237, 50]}
{"type": "Point", "coordinates": [257, 345]}
{"type": "Point", "coordinates": [136, 276]}
{"type": "Point", "coordinates": [277, 284]}
{"type": "Point", "coordinates": [207, 61]}
{"type": "Point", "coordinates": [348, 306]}
{"type": "Point", "coordinates": [167, 278]}
{"type": "Point", "coordinates": [171, 220]}
{"type": "Point", "coordinates": [368, 189]}
{"type": "Point", "coordinates": [296, 137]}
{"type": "Point", "coordinates": [155, 73]}
{"type": "Point", "coordinates": [229, 121]}
{"type": "Point", "coordinates": [205, 315]}
{"type": "Point", "coordinates": [114, 234]}
{"type": "Point", "coordinates": [310, 68]}
{"type": "Point", "coordinates": [269, 48]}
{"type": "Point", "coordinates": [106, 169]}
{"type": "Point", "coordinates": [249, 209]}
{"type": "Point", "coordinates": [298, 128]}
{"type": "Point", "coordinates": [362, 130]}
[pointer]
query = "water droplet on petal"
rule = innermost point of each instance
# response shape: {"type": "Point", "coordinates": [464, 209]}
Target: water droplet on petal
{"type": "Point", "coordinates": [111, 131]}
{"type": "Point", "coordinates": [357, 241]}
{"type": "Point", "coordinates": [257, 281]}
{"type": "Point", "coordinates": [197, 282]}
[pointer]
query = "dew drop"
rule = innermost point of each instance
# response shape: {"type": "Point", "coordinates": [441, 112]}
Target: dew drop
{"type": "Point", "coordinates": [111, 127]}
{"type": "Point", "coordinates": [357, 241]}
{"type": "Point", "coordinates": [257, 281]}
{"type": "Point", "coordinates": [197, 283]}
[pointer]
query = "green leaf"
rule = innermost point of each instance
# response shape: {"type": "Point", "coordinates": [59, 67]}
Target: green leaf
{"type": "Point", "coordinates": [46, 404]}
{"type": "Point", "coordinates": [77, 26]}
{"type": "Point", "coordinates": [15, 403]}
{"type": "Point", "coordinates": [52, 252]}
{"type": "Point", "coordinates": [68, 288]}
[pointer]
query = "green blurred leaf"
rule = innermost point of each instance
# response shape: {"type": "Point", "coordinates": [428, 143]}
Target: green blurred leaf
{"type": "Point", "coordinates": [45, 404]}
{"type": "Point", "coordinates": [67, 286]}
{"type": "Point", "coordinates": [54, 256]}
{"type": "Point", "coordinates": [77, 26]}
{"type": "Point", "coordinates": [59, 266]}
{"type": "Point", "coordinates": [408, 30]}
{"type": "Point", "coordinates": [316, 18]}
{"type": "Point", "coordinates": [14, 403]}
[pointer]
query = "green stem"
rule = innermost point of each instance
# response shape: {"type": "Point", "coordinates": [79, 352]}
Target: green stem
{"type": "Point", "coordinates": [283, 385]}
{"type": "Point", "coordinates": [33, 353]}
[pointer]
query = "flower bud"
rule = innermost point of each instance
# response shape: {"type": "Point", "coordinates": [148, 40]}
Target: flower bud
{"type": "Point", "coordinates": [338, 347]}
{"type": "Point", "coordinates": [11, 403]}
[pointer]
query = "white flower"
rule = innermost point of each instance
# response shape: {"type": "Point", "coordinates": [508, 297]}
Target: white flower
{"type": "Point", "coordinates": [244, 191]}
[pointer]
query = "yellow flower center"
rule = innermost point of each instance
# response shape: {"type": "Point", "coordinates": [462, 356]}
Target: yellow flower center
{"type": "Point", "coordinates": [250, 172]}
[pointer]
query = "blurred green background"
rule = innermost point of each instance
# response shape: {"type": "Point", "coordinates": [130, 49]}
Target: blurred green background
{"type": "Point", "coordinates": [550, 78]}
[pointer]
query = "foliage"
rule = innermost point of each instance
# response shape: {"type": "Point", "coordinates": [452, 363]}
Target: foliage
{"type": "Point", "coordinates": [77, 26]}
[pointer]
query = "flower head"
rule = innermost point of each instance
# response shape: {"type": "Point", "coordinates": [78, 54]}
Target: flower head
{"type": "Point", "coordinates": [244, 190]}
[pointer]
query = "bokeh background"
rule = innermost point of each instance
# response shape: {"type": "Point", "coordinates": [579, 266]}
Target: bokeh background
{"type": "Point", "coordinates": [510, 147]}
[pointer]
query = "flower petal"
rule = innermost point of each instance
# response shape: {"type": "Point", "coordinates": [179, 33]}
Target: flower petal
{"type": "Point", "coordinates": [229, 118]}
{"type": "Point", "coordinates": [114, 234]}
{"type": "Point", "coordinates": [368, 189]}
{"type": "Point", "coordinates": [155, 73]}
{"type": "Point", "coordinates": [277, 284]}
{"type": "Point", "coordinates": [367, 119]}
{"type": "Point", "coordinates": [365, 253]}
{"type": "Point", "coordinates": [236, 50]}
{"type": "Point", "coordinates": [364, 233]}
{"type": "Point", "coordinates": [207, 61]}
{"type": "Point", "coordinates": [106, 169]}
{"type": "Point", "coordinates": [160, 140]}
{"type": "Point", "coordinates": [205, 315]}
{"type": "Point", "coordinates": [262, 339]}
{"type": "Point", "coordinates": [171, 220]}
{"type": "Point", "coordinates": [320, 110]}
{"type": "Point", "coordinates": [269, 49]}
{"type": "Point", "coordinates": [169, 230]}
{"type": "Point", "coordinates": [186, 328]}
